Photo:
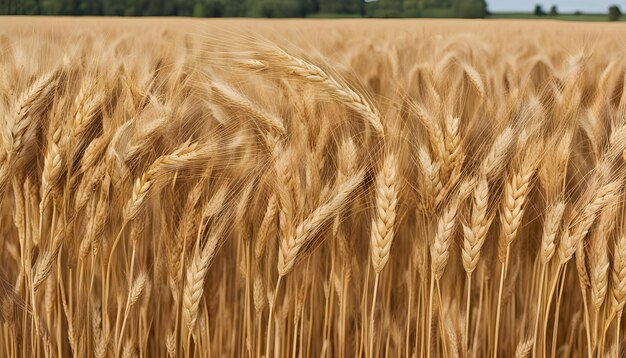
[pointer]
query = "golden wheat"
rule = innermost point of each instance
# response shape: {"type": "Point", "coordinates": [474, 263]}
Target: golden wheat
{"type": "Point", "coordinates": [311, 188]}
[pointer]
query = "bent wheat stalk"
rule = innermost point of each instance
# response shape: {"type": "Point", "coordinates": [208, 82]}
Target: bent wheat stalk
{"type": "Point", "coordinates": [278, 61]}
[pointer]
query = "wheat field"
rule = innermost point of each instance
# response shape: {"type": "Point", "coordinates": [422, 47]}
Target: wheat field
{"type": "Point", "coordinates": [326, 188]}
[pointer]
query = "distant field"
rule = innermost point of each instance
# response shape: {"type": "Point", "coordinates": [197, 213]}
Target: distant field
{"type": "Point", "coordinates": [566, 17]}
{"type": "Point", "coordinates": [445, 13]}
{"type": "Point", "coordinates": [449, 14]}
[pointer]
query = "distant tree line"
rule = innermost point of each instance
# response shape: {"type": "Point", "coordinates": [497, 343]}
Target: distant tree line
{"type": "Point", "coordinates": [614, 12]}
{"type": "Point", "coordinates": [251, 8]}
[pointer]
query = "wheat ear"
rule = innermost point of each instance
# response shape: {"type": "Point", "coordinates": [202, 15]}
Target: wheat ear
{"type": "Point", "coordinates": [440, 249]}
{"type": "Point", "coordinates": [15, 130]}
{"type": "Point", "coordinates": [385, 213]}
{"type": "Point", "coordinates": [235, 100]}
{"type": "Point", "coordinates": [515, 193]}
{"type": "Point", "coordinates": [512, 211]}
{"type": "Point", "coordinates": [196, 273]}
{"type": "Point", "coordinates": [267, 228]}
{"type": "Point", "coordinates": [186, 156]}
{"type": "Point", "coordinates": [618, 275]}
{"type": "Point", "coordinates": [493, 163]}
{"type": "Point", "coordinates": [382, 232]}
{"type": "Point", "coordinates": [524, 349]}
{"type": "Point", "coordinates": [551, 225]}
{"type": "Point", "coordinates": [53, 165]}
{"type": "Point", "coordinates": [455, 151]}
{"type": "Point", "coordinates": [475, 234]}
{"type": "Point", "coordinates": [599, 255]}
{"type": "Point", "coordinates": [291, 246]}
{"type": "Point", "coordinates": [432, 187]}
{"type": "Point", "coordinates": [277, 60]}
{"type": "Point", "coordinates": [580, 225]}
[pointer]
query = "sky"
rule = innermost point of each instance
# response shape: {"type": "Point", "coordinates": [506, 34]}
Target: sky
{"type": "Point", "coordinates": [589, 6]}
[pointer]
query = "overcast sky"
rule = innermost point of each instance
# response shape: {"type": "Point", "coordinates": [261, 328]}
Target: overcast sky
{"type": "Point", "coordinates": [589, 6]}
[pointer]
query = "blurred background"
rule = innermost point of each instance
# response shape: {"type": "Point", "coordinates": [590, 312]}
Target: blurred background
{"type": "Point", "coordinates": [581, 10]}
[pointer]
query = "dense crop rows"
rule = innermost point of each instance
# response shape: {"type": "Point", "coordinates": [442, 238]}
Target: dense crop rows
{"type": "Point", "coordinates": [293, 188]}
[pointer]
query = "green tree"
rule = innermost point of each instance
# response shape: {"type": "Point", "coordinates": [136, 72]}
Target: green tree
{"type": "Point", "coordinates": [436, 4]}
{"type": "Point", "coordinates": [614, 13]}
{"type": "Point", "coordinates": [396, 8]}
{"type": "Point", "coordinates": [554, 11]}
{"type": "Point", "coordinates": [29, 7]}
{"type": "Point", "coordinates": [214, 8]}
{"type": "Point", "coordinates": [198, 9]}
{"type": "Point", "coordinates": [160, 7]}
{"type": "Point", "coordinates": [91, 7]}
{"type": "Point", "coordinates": [234, 8]}
{"type": "Point", "coordinates": [112, 7]}
{"type": "Point", "coordinates": [539, 10]}
{"type": "Point", "coordinates": [50, 7]}
{"type": "Point", "coordinates": [184, 7]}
{"type": "Point", "coordinates": [385, 8]}
{"type": "Point", "coordinates": [411, 8]}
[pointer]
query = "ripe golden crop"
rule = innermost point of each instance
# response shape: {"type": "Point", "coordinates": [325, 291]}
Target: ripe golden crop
{"type": "Point", "coordinates": [335, 188]}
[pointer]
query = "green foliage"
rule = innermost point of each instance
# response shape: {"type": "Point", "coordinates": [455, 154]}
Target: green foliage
{"type": "Point", "coordinates": [275, 8]}
{"type": "Point", "coordinates": [341, 6]}
{"type": "Point", "coordinates": [214, 8]}
{"type": "Point", "coordinates": [539, 10]}
{"type": "Point", "coordinates": [435, 4]}
{"type": "Point", "coordinates": [393, 8]}
{"type": "Point", "coordinates": [614, 13]}
{"type": "Point", "coordinates": [470, 8]}
{"type": "Point", "coordinates": [198, 10]}
{"type": "Point", "coordinates": [252, 8]}
{"type": "Point", "coordinates": [411, 8]}
{"type": "Point", "coordinates": [437, 13]}
{"type": "Point", "coordinates": [554, 11]}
